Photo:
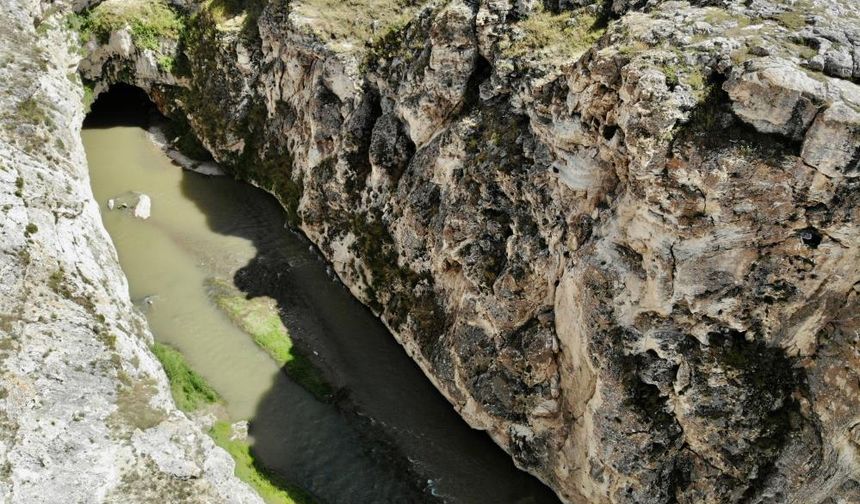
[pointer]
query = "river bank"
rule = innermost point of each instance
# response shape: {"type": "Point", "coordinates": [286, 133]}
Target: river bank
{"type": "Point", "coordinates": [219, 273]}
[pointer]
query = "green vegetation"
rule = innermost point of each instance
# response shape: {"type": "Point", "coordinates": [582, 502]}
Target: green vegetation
{"type": "Point", "coordinates": [270, 489]}
{"type": "Point", "coordinates": [718, 16]}
{"type": "Point", "coordinates": [792, 19]}
{"type": "Point", "coordinates": [166, 63]}
{"type": "Point", "coordinates": [30, 111]}
{"type": "Point", "coordinates": [191, 393]}
{"type": "Point", "coordinates": [149, 20]}
{"type": "Point", "coordinates": [89, 98]}
{"type": "Point", "coordinates": [189, 389]}
{"type": "Point", "coordinates": [677, 72]}
{"type": "Point", "coordinates": [696, 80]}
{"type": "Point", "coordinates": [395, 41]}
{"type": "Point", "coordinates": [31, 229]}
{"type": "Point", "coordinates": [260, 319]}
{"type": "Point", "coordinates": [57, 281]}
{"type": "Point", "coordinates": [563, 37]}
{"type": "Point", "coordinates": [356, 21]}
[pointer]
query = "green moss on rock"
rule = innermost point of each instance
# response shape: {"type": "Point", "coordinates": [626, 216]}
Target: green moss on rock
{"type": "Point", "coordinates": [189, 389]}
{"type": "Point", "coordinates": [268, 486]}
{"type": "Point", "coordinates": [149, 21]}
{"type": "Point", "coordinates": [259, 318]}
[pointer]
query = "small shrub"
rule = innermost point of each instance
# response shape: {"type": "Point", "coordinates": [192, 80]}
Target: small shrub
{"type": "Point", "coordinates": [31, 229]}
{"type": "Point", "coordinates": [88, 98]}
{"type": "Point", "coordinates": [166, 63]}
{"type": "Point", "coordinates": [55, 281]}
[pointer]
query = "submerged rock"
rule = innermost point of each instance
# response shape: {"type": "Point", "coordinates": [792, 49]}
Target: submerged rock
{"type": "Point", "coordinates": [138, 203]}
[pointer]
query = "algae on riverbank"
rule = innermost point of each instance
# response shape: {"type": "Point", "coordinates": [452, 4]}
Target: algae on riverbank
{"type": "Point", "coordinates": [267, 486]}
{"type": "Point", "coordinates": [190, 391]}
{"type": "Point", "coordinates": [260, 319]}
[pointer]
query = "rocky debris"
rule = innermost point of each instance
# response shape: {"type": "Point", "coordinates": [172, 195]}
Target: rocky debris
{"type": "Point", "coordinates": [239, 431]}
{"type": "Point", "coordinates": [209, 168]}
{"type": "Point", "coordinates": [619, 236]}
{"type": "Point", "coordinates": [140, 204]}
{"type": "Point", "coordinates": [773, 96]}
{"type": "Point", "coordinates": [85, 408]}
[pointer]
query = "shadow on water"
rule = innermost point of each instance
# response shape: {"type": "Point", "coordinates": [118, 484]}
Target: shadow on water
{"type": "Point", "coordinates": [391, 430]}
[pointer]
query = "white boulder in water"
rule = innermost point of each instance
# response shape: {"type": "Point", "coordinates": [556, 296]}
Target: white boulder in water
{"type": "Point", "coordinates": [143, 207]}
{"type": "Point", "coordinates": [140, 204]}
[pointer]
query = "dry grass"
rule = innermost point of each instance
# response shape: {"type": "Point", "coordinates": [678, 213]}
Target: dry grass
{"type": "Point", "coordinates": [354, 21]}
{"type": "Point", "coordinates": [562, 37]}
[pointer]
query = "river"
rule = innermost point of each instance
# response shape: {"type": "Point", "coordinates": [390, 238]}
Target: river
{"type": "Point", "coordinates": [391, 437]}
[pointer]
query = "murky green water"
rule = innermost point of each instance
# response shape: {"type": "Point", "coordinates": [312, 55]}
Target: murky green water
{"type": "Point", "coordinates": [392, 438]}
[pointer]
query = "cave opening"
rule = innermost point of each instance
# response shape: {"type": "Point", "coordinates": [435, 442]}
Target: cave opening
{"type": "Point", "coordinates": [122, 105]}
{"type": "Point", "coordinates": [384, 434]}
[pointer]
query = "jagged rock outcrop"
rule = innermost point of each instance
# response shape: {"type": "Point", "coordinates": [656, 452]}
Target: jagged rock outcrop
{"type": "Point", "coordinates": [619, 236]}
{"type": "Point", "coordinates": [85, 408]}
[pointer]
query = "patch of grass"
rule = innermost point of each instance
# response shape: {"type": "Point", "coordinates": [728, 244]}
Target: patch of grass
{"type": "Point", "coordinates": [356, 21]}
{"type": "Point", "coordinates": [133, 404]}
{"type": "Point", "coordinates": [189, 389]}
{"type": "Point", "coordinates": [57, 281]}
{"type": "Point", "coordinates": [149, 20]}
{"type": "Point", "coordinates": [717, 16]}
{"type": "Point", "coordinates": [166, 63]}
{"type": "Point", "coordinates": [564, 36]}
{"type": "Point", "coordinates": [793, 20]}
{"type": "Point", "coordinates": [696, 80]}
{"type": "Point", "coordinates": [267, 485]}
{"type": "Point", "coordinates": [259, 318]}
{"type": "Point", "coordinates": [88, 98]}
{"type": "Point", "coordinates": [31, 111]}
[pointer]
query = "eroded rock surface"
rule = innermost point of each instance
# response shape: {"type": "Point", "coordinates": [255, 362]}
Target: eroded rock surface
{"type": "Point", "coordinates": [619, 236]}
{"type": "Point", "coordinates": [85, 408]}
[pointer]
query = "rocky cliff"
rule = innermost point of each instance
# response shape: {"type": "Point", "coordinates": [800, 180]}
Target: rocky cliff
{"type": "Point", "coordinates": [619, 236]}
{"type": "Point", "coordinates": [85, 408]}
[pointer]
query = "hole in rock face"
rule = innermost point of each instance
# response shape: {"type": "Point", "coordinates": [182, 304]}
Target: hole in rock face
{"type": "Point", "coordinates": [388, 436]}
{"type": "Point", "coordinates": [122, 105]}
{"type": "Point", "coordinates": [810, 237]}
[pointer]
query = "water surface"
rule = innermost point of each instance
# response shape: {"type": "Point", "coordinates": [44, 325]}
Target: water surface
{"type": "Point", "coordinates": [391, 438]}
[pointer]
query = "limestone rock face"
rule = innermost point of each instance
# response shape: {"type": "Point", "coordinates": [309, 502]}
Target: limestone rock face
{"type": "Point", "coordinates": [622, 237]}
{"type": "Point", "coordinates": [85, 408]}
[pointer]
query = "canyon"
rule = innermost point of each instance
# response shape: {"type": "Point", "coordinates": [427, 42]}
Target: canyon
{"type": "Point", "coordinates": [620, 237]}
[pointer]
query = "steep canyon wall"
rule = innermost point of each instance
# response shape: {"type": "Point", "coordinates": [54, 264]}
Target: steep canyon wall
{"type": "Point", "coordinates": [621, 237]}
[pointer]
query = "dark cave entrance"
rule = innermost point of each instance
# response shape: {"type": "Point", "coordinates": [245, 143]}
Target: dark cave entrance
{"type": "Point", "coordinates": [122, 105]}
{"type": "Point", "coordinates": [127, 105]}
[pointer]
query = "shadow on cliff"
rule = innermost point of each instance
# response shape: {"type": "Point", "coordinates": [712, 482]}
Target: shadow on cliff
{"type": "Point", "coordinates": [390, 430]}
